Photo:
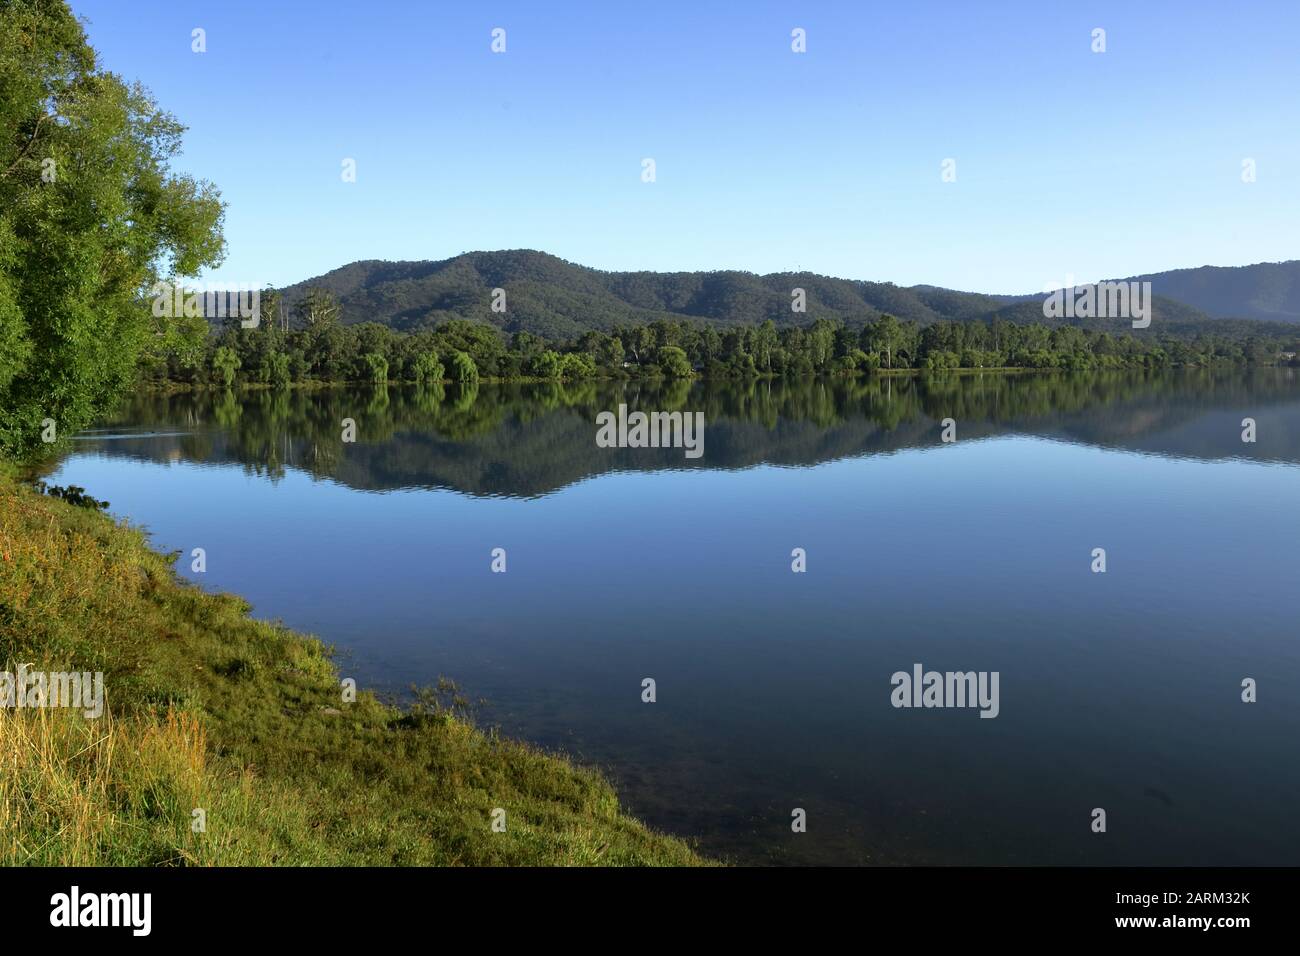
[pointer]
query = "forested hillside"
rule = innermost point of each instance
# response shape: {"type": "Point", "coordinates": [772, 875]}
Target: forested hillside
{"type": "Point", "coordinates": [560, 300]}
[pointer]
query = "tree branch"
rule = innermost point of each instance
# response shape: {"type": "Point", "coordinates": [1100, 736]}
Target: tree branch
{"type": "Point", "coordinates": [36, 130]}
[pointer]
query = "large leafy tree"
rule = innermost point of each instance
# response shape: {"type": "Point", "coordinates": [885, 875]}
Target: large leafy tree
{"type": "Point", "coordinates": [91, 217]}
{"type": "Point", "coordinates": [673, 362]}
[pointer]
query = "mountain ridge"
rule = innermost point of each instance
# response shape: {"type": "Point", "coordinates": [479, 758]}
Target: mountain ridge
{"type": "Point", "coordinates": [557, 299]}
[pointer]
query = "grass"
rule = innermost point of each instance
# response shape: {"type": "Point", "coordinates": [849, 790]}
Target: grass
{"type": "Point", "coordinates": [244, 720]}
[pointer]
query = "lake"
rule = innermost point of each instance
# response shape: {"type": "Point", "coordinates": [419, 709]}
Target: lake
{"type": "Point", "coordinates": [1119, 690]}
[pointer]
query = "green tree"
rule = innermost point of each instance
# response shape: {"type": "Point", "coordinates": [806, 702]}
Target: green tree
{"type": "Point", "coordinates": [545, 364]}
{"type": "Point", "coordinates": [278, 365]}
{"type": "Point", "coordinates": [91, 218]}
{"type": "Point", "coordinates": [577, 365]}
{"type": "Point", "coordinates": [325, 346]}
{"type": "Point", "coordinates": [612, 353]}
{"type": "Point", "coordinates": [821, 342]}
{"type": "Point", "coordinates": [640, 340]}
{"type": "Point", "coordinates": [377, 366]}
{"type": "Point", "coordinates": [482, 342]}
{"type": "Point", "coordinates": [463, 369]}
{"type": "Point", "coordinates": [673, 362]}
{"type": "Point", "coordinates": [883, 337]}
{"type": "Point", "coordinates": [225, 363]}
{"type": "Point", "coordinates": [764, 341]}
{"type": "Point", "coordinates": [427, 368]}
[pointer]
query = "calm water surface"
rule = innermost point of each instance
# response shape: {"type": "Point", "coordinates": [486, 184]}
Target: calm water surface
{"type": "Point", "coordinates": [1118, 690]}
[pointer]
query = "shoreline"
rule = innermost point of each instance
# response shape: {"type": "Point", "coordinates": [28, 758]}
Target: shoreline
{"type": "Point", "coordinates": [174, 388]}
{"type": "Point", "coordinates": [244, 726]}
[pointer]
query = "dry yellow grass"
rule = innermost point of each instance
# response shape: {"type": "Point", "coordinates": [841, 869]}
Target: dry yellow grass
{"type": "Point", "coordinates": [71, 787]}
{"type": "Point", "coordinates": [242, 719]}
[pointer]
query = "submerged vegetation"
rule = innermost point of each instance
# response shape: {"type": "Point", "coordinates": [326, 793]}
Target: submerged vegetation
{"type": "Point", "coordinates": [244, 721]}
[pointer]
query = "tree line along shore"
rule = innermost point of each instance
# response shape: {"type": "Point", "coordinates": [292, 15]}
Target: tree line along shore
{"type": "Point", "coordinates": [308, 343]}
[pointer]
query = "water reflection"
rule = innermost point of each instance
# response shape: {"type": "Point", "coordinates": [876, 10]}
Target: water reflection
{"type": "Point", "coordinates": [530, 440]}
{"type": "Point", "coordinates": [1118, 690]}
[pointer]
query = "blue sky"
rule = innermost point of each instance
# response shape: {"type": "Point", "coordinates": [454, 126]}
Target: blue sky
{"type": "Point", "coordinates": [1068, 162]}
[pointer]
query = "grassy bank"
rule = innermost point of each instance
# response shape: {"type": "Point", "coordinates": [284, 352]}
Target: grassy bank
{"type": "Point", "coordinates": [211, 710]}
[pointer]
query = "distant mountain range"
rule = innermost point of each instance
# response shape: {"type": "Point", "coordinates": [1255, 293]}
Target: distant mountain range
{"type": "Point", "coordinates": [556, 299]}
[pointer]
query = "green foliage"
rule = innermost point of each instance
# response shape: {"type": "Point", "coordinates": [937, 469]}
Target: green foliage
{"type": "Point", "coordinates": [427, 369]}
{"type": "Point", "coordinates": [544, 364]}
{"type": "Point", "coordinates": [378, 366]}
{"type": "Point", "coordinates": [330, 352]}
{"type": "Point", "coordinates": [673, 362]}
{"type": "Point", "coordinates": [574, 365]}
{"type": "Point", "coordinates": [561, 301]}
{"type": "Point", "coordinates": [482, 343]}
{"type": "Point", "coordinates": [91, 217]}
{"type": "Point", "coordinates": [225, 363]}
{"type": "Point", "coordinates": [463, 369]}
{"type": "Point", "coordinates": [278, 370]}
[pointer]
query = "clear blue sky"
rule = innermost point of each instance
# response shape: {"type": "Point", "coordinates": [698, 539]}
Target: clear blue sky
{"type": "Point", "coordinates": [1067, 161]}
